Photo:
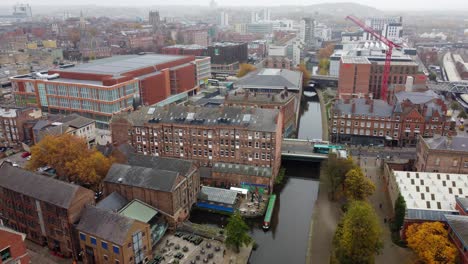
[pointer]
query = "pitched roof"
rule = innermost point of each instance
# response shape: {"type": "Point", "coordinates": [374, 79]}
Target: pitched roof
{"type": "Point", "coordinates": [40, 187]}
{"type": "Point", "coordinates": [361, 107]}
{"type": "Point", "coordinates": [273, 79]}
{"type": "Point", "coordinates": [149, 178]}
{"type": "Point", "coordinates": [417, 97]}
{"type": "Point", "coordinates": [169, 164]}
{"type": "Point", "coordinates": [217, 195]}
{"type": "Point", "coordinates": [139, 210]}
{"type": "Point", "coordinates": [105, 224]}
{"type": "Point", "coordinates": [458, 143]}
{"type": "Point", "coordinates": [113, 202]}
{"type": "Point", "coordinates": [459, 224]}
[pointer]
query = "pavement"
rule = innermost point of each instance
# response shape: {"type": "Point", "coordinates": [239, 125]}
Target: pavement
{"type": "Point", "coordinates": [41, 255]}
{"type": "Point", "coordinates": [16, 158]}
{"type": "Point", "coordinates": [391, 253]}
{"type": "Point", "coordinates": [384, 152]}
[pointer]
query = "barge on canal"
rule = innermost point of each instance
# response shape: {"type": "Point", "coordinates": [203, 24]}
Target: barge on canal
{"type": "Point", "coordinates": [269, 212]}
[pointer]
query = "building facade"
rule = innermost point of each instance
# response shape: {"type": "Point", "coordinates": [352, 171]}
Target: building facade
{"type": "Point", "coordinates": [43, 208]}
{"type": "Point", "coordinates": [72, 124]}
{"type": "Point", "coordinates": [104, 87]}
{"type": "Point", "coordinates": [101, 242]}
{"type": "Point", "coordinates": [12, 247]}
{"type": "Point", "coordinates": [12, 121]}
{"type": "Point", "coordinates": [442, 154]}
{"type": "Point", "coordinates": [226, 56]}
{"type": "Point", "coordinates": [204, 134]}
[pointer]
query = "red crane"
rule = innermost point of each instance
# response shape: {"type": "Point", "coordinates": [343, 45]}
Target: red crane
{"type": "Point", "coordinates": [388, 53]}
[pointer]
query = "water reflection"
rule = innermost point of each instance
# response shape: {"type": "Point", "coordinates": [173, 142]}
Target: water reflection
{"type": "Point", "coordinates": [310, 125]}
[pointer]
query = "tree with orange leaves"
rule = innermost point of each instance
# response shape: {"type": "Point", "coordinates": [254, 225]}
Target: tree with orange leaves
{"type": "Point", "coordinates": [244, 69]}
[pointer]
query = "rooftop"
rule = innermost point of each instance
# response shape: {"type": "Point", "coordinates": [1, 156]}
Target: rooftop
{"type": "Point", "coordinates": [254, 119]}
{"type": "Point", "coordinates": [117, 65]}
{"type": "Point", "coordinates": [429, 195]}
{"type": "Point", "coordinates": [459, 225]}
{"type": "Point", "coordinates": [181, 166]}
{"type": "Point", "coordinates": [375, 107]}
{"type": "Point", "coordinates": [59, 127]}
{"type": "Point", "coordinates": [355, 60]}
{"type": "Point", "coordinates": [417, 97]}
{"type": "Point", "coordinates": [105, 224]}
{"type": "Point", "coordinates": [188, 47]}
{"type": "Point", "coordinates": [113, 202]}
{"type": "Point", "coordinates": [139, 210]}
{"type": "Point", "coordinates": [272, 79]}
{"type": "Point", "coordinates": [148, 178]}
{"type": "Point", "coordinates": [463, 202]}
{"type": "Point", "coordinates": [40, 187]}
{"type": "Point", "coordinates": [456, 143]}
{"type": "Point", "coordinates": [244, 96]}
{"type": "Point", "coordinates": [217, 195]}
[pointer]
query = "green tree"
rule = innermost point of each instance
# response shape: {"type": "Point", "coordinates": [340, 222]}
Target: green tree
{"type": "Point", "coordinates": [335, 171]}
{"type": "Point", "coordinates": [400, 210]}
{"type": "Point", "coordinates": [236, 232]}
{"type": "Point", "coordinates": [358, 237]}
{"type": "Point", "coordinates": [71, 158]}
{"type": "Point", "coordinates": [432, 76]}
{"type": "Point", "coordinates": [462, 114]}
{"type": "Point", "coordinates": [358, 187]}
{"type": "Point", "coordinates": [431, 243]}
{"type": "Point", "coordinates": [455, 105]}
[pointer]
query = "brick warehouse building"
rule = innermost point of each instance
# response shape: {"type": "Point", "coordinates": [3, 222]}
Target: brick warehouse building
{"type": "Point", "coordinates": [410, 114]}
{"type": "Point", "coordinates": [43, 208]}
{"type": "Point", "coordinates": [362, 77]}
{"type": "Point", "coordinates": [107, 86]}
{"type": "Point", "coordinates": [210, 136]}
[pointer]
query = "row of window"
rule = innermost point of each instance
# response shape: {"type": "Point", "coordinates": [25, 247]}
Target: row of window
{"type": "Point", "coordinates": [89, 105]}
{"type": "Point", "coordinates": [104, 245]}
{"type": "Point", "coordinates": [205, 133]}
{"type": "Point", "coordinates": [90, 93]}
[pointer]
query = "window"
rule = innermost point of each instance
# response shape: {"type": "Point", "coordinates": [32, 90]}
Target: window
{"type": "Point", "coordinates": [5, 254]}
{"type": "Point", "coordinates": [104, 245]}
{"type": "Point", "coordinates": [82, 236]}
{"type": "Point", "coordinates": [106, 258]}
{"type": "Point", "coordinates": [116, 249]}
{"type": "Point", "coordinates": [93, 240]}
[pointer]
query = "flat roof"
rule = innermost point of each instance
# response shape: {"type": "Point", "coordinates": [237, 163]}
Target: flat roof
{"type": "Point", "coordinates": [428, 193]}
{"type": "Point", "coordinates": [355, 60]}
{"type": "Point", "coordinates": [117, 65]}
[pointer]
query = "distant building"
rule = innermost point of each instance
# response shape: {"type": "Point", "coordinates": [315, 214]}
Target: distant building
{"type": "Point", "coordinates": [389, 27]}
{"type": "Point", "coordinates": [261, 28]}
{"type": "Point", "coordinates": [269, 80]}
{"type": "Point", "coordinates": [442, 154]}
{"type": "Point", "coordinates": [306, 32]}
{"type": "Point", "coordinates": [104, 87]}
{"type": "Point", "coordinates": [226, 56]}
{"type": "Point", "coordinates": [154, 20]}
{"type": "Point", "coordinates": [45, 209]}
{"type": "Point", "coordinates": [458, 234]}
{"type": "Point", "coordinates": [224, 19]}
{"type": "Point", "coordinates": [12, 121]}
{"type": "Point", "coordinates": [12, 246]}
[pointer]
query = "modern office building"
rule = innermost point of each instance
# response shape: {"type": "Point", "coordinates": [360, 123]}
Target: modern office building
{"type": "Point", "coordinates": [230, 135]}
{"type": "Point", "coordinates": [226, 56]}
{"type": "Point", "coordinates": [104, 87]}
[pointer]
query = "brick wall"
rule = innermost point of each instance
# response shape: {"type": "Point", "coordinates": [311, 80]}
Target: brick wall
{"type": "Point", "coordinates": [16, 246]}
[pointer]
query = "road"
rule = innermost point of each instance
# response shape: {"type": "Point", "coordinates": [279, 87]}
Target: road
{"type": "Point", "coordinates": [450, 68]}
{"type": "Point", "coordinates": [402, 153]}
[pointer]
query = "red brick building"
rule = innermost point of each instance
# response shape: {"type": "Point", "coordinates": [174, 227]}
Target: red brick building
{"type": "Point", "coordinates": [360, 77]}
{"type": "Point", "coordinates": [232, 135]}
{"type": "Point", "coordinates": [43, 208]}
{"type": "Point", "coordinates": [12, 121]}
{"type": "Point", "coordinates": [12, 247]}
{"type": "Point", "coordinates": [104, 87]}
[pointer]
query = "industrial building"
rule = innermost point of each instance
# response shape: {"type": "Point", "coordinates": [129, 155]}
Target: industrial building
{"type": "Point", "coordinates": [104, 87]}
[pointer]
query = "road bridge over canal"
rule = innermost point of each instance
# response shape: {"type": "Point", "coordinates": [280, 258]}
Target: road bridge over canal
{"type": "Point", "coordinates": [300, 149]}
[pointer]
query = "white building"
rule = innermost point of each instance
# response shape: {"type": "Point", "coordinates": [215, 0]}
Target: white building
{"type": "Point", "coordinates": [322, 32]}
{"type": "Point", "coordinates": [266, 14]}
{"type": "Point", "coordinates": [428, 195]}
{"type": "Point", "coordinates": [306, 32]}
{"type": "Point", "coordinates": [297, 48]}
{"type": "Point", "coordinates": [283, 25]}
{"type": "Point", "coordinates": [277, 50]}
{"type": "Point", "coordinates": [240, 28]}
{"type": "Point", "coordinates": [224, 19]}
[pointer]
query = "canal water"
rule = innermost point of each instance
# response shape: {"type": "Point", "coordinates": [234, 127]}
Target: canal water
{"type": "Point", "coordinates": [287, 239]}
{"type": "Point", "coordinates": [310, 125]}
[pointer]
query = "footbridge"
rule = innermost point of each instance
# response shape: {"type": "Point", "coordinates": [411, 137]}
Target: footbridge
{"type": "Point", "coordinates": [301, 149]}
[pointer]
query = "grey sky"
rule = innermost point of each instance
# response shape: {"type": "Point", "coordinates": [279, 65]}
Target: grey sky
{"type": "Point", "coordinates": [381, 4]}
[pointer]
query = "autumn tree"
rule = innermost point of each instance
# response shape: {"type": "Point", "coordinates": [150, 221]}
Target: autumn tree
{"type": "Point", "coordinates": [71, 158]}
{"type": "Point", "coordinates": [326, 52]}
{"type": "Point", "coordinates": [358, 187]}
{"type": "Point", "coordinates": [335, 171]}
{"type": "Point", "coordinates": [358, 236]}
{"type": "Point", "coordinates": [400, 211]}
{"type": "Point", "coordinates": [305, 73]}
{"type": "Point", "coordinates": [244, 69]}
{"type": "Point", "coordinates": [324, 65]}
{"type": "Point", "coordinates": [74, 36]}
{"type": "Point", "coordinates": [236, 232]}
{"type": "Point", "coordinates": [430, 242]}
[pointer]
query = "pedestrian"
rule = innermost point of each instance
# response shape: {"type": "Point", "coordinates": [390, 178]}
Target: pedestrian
{"type": "Point", "coordinates": [385, 220]}
{"type": "Point", "coordinates": [380, 205]}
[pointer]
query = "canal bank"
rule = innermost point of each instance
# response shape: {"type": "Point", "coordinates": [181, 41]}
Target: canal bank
{"type": "Point", "coordinates": [324, 114]}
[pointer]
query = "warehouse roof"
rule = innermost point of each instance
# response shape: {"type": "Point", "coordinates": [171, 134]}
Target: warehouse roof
{"type": "Point", "coordinates": [272, 79]}
{"type": "Point", "coordinates": [181, 166]}
{"type": "Point", "coordinates": [457, 143]}
{"type": "Point", "coordinates": [459, 225]}
{"type": "Point", "coordinates": [117, 65]}
{"type": "Point", "coordinates": [375, 107]}
{"type": "Point", "coordinates": [113, 202]}
{"type": "Point", "coordinates": [242, 169]}
{"type": "Point", "coordinates": [139, 210]}
{"type": "Point", "coordinates": [217, 195]}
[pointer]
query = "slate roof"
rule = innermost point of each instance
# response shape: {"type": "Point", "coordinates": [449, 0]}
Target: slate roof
{"type": "Point", "coordinates": [105, 224]}
{"type": "Point", "coordinates": [458, 143]}
{"type": "Point", "coordinates": [242, 169]}
{"type": "Point", "coordinates": [417, 97]}
{"type": "Point", "coordinates": [380, 108]}
{"type": "Point", "coordinates": [272, 79]}
{"type": "Point", "coordinates": [459, 224]}
{"type": "Point", "coordinates": [74, 121]}
{"type": "Point", "coordinates": [148, 178]}
{"type": "Point", "coordinates": [217, 195]}
{"type": "Point", "coordinates": [39, 187]}
{"type": "Point", "coordinates": [463, 202]}
{"type": "Point", "coordinates": [254, 118]}
{"type": "Point", "coordinates": [113, 202]}
{"type": "Point", "coordinates": [168, 164]}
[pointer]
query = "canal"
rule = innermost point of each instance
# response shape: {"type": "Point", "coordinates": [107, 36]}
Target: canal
{"type": "Point", "coordinates": [287, 239]}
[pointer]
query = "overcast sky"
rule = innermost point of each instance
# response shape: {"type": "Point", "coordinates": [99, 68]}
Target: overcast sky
{"type": "Point", "coordinates": [381, 4]}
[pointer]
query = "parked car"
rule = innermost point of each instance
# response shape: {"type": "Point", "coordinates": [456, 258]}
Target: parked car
{"type": "Point", "coordinates": [25, 154]}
